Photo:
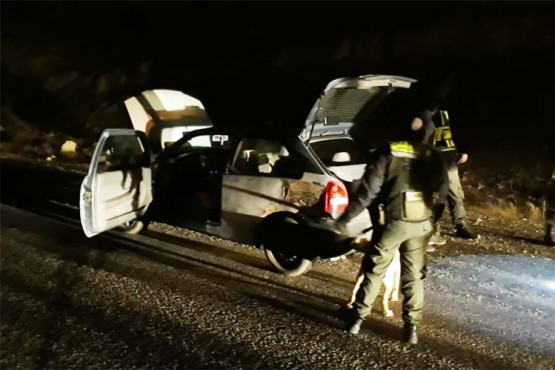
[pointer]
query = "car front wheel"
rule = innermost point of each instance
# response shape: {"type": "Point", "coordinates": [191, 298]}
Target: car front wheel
{"type": "Point", "coordinates": [134, 226]}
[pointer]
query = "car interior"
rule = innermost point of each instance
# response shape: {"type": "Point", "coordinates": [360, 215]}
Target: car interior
{"type": "Point", "coordinates": [337, 151]}
{"type": "Point", "coordinates": [189, 181]}
{"type": "Point", "coordinates": [189, 177]}
{"type": "Point", "coordinates": [259, 157]}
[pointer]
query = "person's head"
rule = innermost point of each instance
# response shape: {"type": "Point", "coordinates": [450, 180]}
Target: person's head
{"type": "Point", "coordinates": [416, 132]}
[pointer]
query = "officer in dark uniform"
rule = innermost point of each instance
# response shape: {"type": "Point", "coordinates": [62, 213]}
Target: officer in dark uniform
{"type": "Point", "coordinates": [408, 178]}
{"type": "Point", "coordinates": [437, 132]}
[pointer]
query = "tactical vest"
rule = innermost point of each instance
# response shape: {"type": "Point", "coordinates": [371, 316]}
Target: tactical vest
{"type": "Point", "coordinates": [443, 139]}
{"type": "Point", "coordinates": [409, 196]}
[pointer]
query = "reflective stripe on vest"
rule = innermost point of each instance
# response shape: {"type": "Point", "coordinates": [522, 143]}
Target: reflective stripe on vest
{"type": "Point", "coordinates": [443, 138]}
{"type": "Point", "coordinates": [404, 149]}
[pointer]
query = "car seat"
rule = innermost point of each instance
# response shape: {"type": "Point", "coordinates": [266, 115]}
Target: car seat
{"type": "Point", "coordinates": [284, 167]}
{"type": "Point", "coordinates": [264, 165]}
{"type": "Point", "coordinates": [247, 164]}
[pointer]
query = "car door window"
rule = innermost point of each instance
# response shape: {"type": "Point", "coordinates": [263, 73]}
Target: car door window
{"type": "Point", "coordinates": [122, 153]}
{"type": "Point", "coordinates": [210, 151]}
{"type": "Point", "coordinates": [261, 157]}
{"type": "Point", "coordinates": [202, 142]}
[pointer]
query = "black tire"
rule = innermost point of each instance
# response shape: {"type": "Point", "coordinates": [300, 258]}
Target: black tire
{"type": "Point", "coordinates": [287, 264]}
{"type": "Point", "coordinates": [134, 226]}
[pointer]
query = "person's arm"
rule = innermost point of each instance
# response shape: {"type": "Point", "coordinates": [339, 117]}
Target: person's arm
{"type": "Point", "coordinates": [463, 157]}
{"type": "Point", "coordinates": [368, 189]}
{"type": "Point", "coordinates": [461, 145]}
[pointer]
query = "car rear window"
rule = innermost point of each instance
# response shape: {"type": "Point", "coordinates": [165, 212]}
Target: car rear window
{"type": "Point", "coordinates": [337, 152]}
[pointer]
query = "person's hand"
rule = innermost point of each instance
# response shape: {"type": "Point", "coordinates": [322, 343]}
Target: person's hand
{"type": "Point", "coordinates": [463, 158]}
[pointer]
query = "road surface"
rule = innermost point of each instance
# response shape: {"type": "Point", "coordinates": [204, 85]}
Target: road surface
{"type": "Point", "coordinates": [164, 301]}
{"type": "Point", "coordinates": [177, 299]}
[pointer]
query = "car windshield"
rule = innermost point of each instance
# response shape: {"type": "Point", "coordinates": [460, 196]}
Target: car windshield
{"type": "Point", "coordinates": [337, 151]}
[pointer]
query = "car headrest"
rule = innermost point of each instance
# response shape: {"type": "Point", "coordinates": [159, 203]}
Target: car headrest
{"type": "Point", "coordinates": [341, 157]}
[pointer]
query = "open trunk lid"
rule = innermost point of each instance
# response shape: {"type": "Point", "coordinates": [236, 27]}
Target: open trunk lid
{"type": "Point", "coordinates": [347, 102]}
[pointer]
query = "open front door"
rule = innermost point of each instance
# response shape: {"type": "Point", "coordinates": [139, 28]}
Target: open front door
{"type": "Point", "coordinates": [117, 188]}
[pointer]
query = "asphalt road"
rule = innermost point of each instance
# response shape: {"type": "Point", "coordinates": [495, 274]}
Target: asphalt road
{"type": "Point", "coordinates": [177, 299]}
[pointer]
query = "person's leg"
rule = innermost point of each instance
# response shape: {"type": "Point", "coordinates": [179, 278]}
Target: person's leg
{"type": "Point", "coordinates": [455, 196]}
{"type": "Point", "coordinates": [374, 265]}
{"type": "Point", "coordinates": [455, 201]}
{"type": "Point", "coordinates": [413, 273]}
{"type": "Point", "coordinates": [436, 238]}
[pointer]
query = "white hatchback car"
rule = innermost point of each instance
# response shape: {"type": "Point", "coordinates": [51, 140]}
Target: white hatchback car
{"type": "Point", "coordinates": [264, 188]}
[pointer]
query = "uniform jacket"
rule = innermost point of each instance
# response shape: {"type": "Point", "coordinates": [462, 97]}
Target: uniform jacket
{"type": "Point", "coordinates": [394, 170]}
{"type": "Point", "coordinates": [438, 132]}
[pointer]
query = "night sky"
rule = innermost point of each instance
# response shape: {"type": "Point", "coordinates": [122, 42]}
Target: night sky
{"type": "Point", "coordinates": [278, 56]}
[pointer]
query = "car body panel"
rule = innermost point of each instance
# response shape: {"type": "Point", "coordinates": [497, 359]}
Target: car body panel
{"type": "Point", "coordinates": [246, 200]}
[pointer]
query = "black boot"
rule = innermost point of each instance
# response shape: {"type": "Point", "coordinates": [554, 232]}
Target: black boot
{"type": "Point", "coordinates": [463, 231]}
{"type": "Point", "coordinates": [409, 334]}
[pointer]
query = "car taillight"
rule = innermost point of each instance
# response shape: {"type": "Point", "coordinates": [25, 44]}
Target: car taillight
{"type": "Point", "coordinates": [336, 198]}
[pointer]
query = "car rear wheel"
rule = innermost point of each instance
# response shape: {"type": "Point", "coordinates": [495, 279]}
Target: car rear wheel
{"type": "Point", "coordinates": [134, 226]}
{"type": "Point", "coordinates": [285, 262]}
{"type": "Point", "coordinates": [288, 265]}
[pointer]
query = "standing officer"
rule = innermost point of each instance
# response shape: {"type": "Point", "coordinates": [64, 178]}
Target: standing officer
{"type": "Point", "coordinates": [438, 133]}
{"type": "Point", "coordinates": [404, 177]}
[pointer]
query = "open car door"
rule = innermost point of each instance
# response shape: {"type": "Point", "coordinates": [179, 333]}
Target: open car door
{"type": "Point", "coordinates": [117, 188]}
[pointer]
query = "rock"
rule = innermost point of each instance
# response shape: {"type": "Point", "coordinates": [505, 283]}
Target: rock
{"type": "Point", "coordinates": [69, 149]}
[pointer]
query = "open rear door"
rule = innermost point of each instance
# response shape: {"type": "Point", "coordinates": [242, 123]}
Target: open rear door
{"type": "Point", "coordinates": [117, 188]}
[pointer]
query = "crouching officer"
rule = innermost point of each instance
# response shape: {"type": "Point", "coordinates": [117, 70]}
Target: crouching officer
{"type": "Point", "coordinates": [408, 178]}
